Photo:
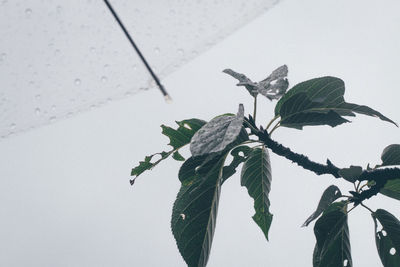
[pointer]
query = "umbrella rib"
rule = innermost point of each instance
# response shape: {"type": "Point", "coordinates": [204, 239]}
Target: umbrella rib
{"type": "Point", "coordinates": [164, 92]}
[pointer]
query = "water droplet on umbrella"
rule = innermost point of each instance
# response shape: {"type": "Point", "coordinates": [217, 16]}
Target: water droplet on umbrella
{"type": "Point", "coordinates": [52, 119]}
{"type": "Point", "coordinates": [37, 97]}
{"type": "Point", "coordinates": [92, 49]}
{"type": "Point", "coordinates": [156, 50]}
{"type": "Point", "coordinates": [3, 56]}
{"type": "Point", "coordinates": [77, 81]}
{"type": "Point", "coordinates": [12, 126]}
{"type": "Point", "coordinates": [180, 51]}
{"type": "Point", "coordinates": [103, 79]}
{"type": "Point", "coordinates": [37, 111]}
{"type": "Point", "coordinates": [28, 11]}
{"type": "Point", "coordinates": [53, 107]}
{"type": "Point", "coordinates": [59, 9]}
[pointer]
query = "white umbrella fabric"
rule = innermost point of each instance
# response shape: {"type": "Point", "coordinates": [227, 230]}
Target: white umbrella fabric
{"type": "Point", "coordinates": [58, 58]}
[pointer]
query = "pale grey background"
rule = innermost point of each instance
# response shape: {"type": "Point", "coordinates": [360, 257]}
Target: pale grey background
{"type": "Point", "coordinates": [65, 199]}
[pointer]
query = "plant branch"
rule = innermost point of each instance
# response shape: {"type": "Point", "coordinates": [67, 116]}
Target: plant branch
{"type": "Point", "coordinates": [299, 159]}
{"type": "Point", "coordinates": [380, 176]}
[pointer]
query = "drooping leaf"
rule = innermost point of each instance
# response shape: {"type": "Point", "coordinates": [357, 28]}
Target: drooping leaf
{"type": "Point", "coordinates": [195, 211]}
{"type": "Point", "coordinates": [217, 134]}
{"type": "Point", "coordinates": [331, 230]}
{"type": "Point", "coordinates": [256, 177]}
{"type": "Point", "coordinates": [391, 155]}
{"type": "Point", "coordinates": [273, 87]}
{"type": "Point", "coordinates": [351, 174]}
{"type": "Point", "coordinates": [178, 138]}
{"type": "Point", "coordinates": [319, 101]}
{"type": "Point", "coordinates": [388, 238]}
{"type": "Point", "coordinates": [391, 189]}
{"type": "Point", "coordinates": [330, 195]}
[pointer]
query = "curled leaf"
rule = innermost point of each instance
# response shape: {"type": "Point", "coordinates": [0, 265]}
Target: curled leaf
{"type": "Point", "coordinates": [273, 87]}
{"type": "Point", "coordinates": [330, 194]}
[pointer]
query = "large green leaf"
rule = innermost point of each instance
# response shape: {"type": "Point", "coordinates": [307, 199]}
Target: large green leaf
{"type": "Point", "coordinates": [299, 111]}
{"type": "Point", "coordinates": [332, 233]}
{"type": "Point", "coordinates": [391, 155]}
{"type": "Point", "coordinates": [217, 134]}
{"type": "Point", "coordinates": [195, 210]}
{"type": "Point", "coordinates": [330, 194]}
{"type": "Point", "coordinates": [256, 177]}
{"type": "Point", "coordinates": [319, 101]}
{"type": "Point", "coordinates": [388, 238]}
{"type": "Point", "coordinates": [178, 138]}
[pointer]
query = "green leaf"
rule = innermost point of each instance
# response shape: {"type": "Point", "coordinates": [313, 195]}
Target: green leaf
{"type": "Point", "coordinates": [351, 174]}
{"type": "Point", "coordinates": [391, 189]}
{"type": "Point", "coordinates": [177, 156]}
{"type": "Point", "coordinates": [256, 177]}
{"type": "Point", "coordinates": [319, 101]}
{"type": "Point", "coordinates": [297, 112]}
{"type": "Point", "coordinates": [388, 239]}
{"type": "Point", "coordinates": [330, 194]}
{"type": "Point", "coordinates": [195, 211]}
{"type": "Point", "coordinates": [178, 138]}
{"type": "Point", "coordinates": [217, 134]}
{"type": "Point", "coordinates": [391, 155]}
{"type": "Point", "coordinates": [182, 136]}
{"type": "Point", "coordinates": [332, 233]}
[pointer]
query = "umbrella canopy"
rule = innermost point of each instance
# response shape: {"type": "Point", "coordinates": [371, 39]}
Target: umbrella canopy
{"type": "Point", "coordinates": [58, 58]}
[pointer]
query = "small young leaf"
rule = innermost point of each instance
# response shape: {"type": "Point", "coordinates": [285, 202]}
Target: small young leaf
{"type": "Point", "coordinates": [184, 133]}
{"type": "Point", "coordinates": [388, 239]}
{"type": "Point", "coordinates": [217, 134]}
{"type": "Point", "coordinates": [195, 211]}
{"type": "Point", "coordinates": [391, 155]}
{"type": "Point", "coordinates": [256, 177]}
{"type": "Point", "coordinates": [351, 174]}
{"type": "Point", "coordinates": [330, 194]}
{"type": "Point", "coordinates": [332, 233]}
{"type": "Point", "coordinates": [273, 87]}
{"type": "Point", "coordinates": [243, 81]}
{"type": "Point", "coordinates": [178, 138]}
{"type": "Point", "coordinates": [177, 156]}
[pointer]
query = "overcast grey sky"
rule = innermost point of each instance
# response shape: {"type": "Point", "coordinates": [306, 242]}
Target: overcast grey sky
{"type": "Point", "coordinates": [65, 198]}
